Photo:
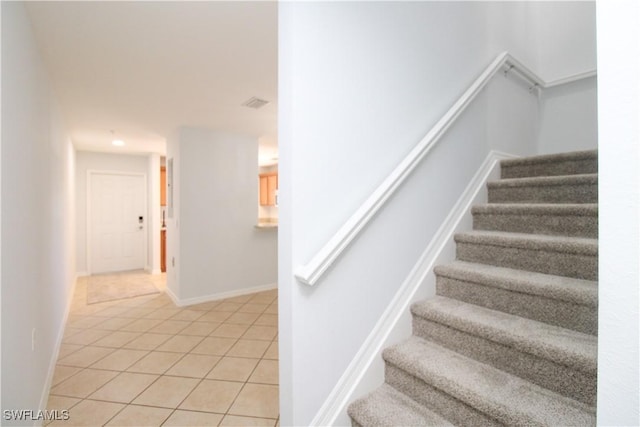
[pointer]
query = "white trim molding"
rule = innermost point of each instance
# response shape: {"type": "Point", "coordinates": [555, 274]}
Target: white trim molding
{"type": "Point", "coordinates": [221, 295]}
{"type": "Point", "coordinates": [571, 79]}
{"type": "Point", "coordinates": [53, 361]}
{"type": "Point", "coordinates": [313, 270]}
{"type": "Point", "coordinates": [343, 391]}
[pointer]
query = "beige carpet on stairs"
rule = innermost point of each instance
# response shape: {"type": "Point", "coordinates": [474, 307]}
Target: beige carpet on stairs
{"type": "Point", "coordinates": [510, 338]}
{"type": "Point", "coordinates": [114, 286]}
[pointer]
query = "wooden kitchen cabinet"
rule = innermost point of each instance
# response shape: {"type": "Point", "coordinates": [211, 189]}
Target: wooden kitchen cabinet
{"type": "Point", "coordinates": [263, 190]}
{"type": "Point", "coordinates": [272, 186]}
{"type": "Point", "coordinates": [163, 250]}
{"type": "Point", "coordinates": [268, 187]}
{"type": "Point", "coordinates": [163, 186]}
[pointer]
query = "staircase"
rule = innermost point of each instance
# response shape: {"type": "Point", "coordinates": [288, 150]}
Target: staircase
{"type": "Point", "coordinates": [511, 336]}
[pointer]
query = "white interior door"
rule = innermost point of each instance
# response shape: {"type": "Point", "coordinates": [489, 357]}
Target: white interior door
{"type": "Point", "coordinates": [117, 222]}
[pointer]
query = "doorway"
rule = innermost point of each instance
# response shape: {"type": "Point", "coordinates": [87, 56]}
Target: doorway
{"type": "Point", "coordinates": [116, 221]}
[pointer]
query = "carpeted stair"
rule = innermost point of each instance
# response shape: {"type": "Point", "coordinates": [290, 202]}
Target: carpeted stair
{"type": "Point", "coordinates": [511, 337]}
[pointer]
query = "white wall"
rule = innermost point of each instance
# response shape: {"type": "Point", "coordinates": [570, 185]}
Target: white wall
{"type": "Point", "coordinates": [566, 45]}
{"type": "Point", "coordinates": [513, 115]}
{"type": "Point", "coordinates": [220, 249]}
{"type": "Point", "coordinates": [557, 40]}
{"type": "Point", "coordinates": [88, 160]}
{"type": "Point", "coordinates": [359, 85]}
{"type": "Point", "coordinates": [154, 219]}
{"type": "Point", "coordinates": [565, 36]}
{"type": "Point", "coordinates": [38, 254]}
{"type": "Point", "coordinates": [569, 117]}
{"type": "Point", "coordinates": [173, 213]}
{"type": "Point", "coordinates": [619, 214]}
{"type": "Point", "coordinates": [0, 222]}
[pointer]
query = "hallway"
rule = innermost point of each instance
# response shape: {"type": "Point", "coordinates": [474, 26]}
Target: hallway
{"type": "Point", "coordinates": [144, 361]}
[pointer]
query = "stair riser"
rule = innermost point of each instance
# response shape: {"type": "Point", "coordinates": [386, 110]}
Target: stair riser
{"type": "Point", "coordinates": [438, 401]}
{"type": "Point", "coordinates": [570, 193]}
{"type": "Point", "coordinates": [565, 264]}
{"type": "Point", "coordinates": [550, 225]}
{"type": "Point", "coordinates": [565, 314]}
{"type": "Point", "coordinates": [473, 366]}
{"type": "Point", "coordinates": [565, 167]}
{"type": "Point", "coordinates": [546, 373]}
{"type": "Point", "coordinates": [387, 406]}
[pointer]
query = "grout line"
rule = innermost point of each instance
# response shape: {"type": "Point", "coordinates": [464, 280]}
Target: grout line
{"type": "Point", "coordinates": [147, 306]}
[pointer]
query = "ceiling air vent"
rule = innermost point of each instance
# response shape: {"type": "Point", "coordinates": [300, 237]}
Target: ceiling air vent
{"type": "Point", "coordinates": [255, 103]}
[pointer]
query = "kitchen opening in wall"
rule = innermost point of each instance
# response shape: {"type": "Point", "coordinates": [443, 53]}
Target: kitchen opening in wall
{"type": "Point", "coordinates": [169, 179]}
{"type": "Point", "coordinates": [268, 193]}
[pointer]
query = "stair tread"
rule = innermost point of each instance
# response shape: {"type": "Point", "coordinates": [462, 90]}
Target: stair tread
{"type": "Point", "coordinates": [578, 291]}
{"type": "Point", "coordinates": [386, 406]}
{"type": "Point", "coordinates": [583, 209]}
{"type": "Point", "coordinates": [579, 245]}
{"type": "Point", "coordinates": [540, 229]}
{"type": "Point", "coordinates": [563, 346]}
{"type": "Point", "coordinates": [550, 158]}
{"type": "Point", "coordinates": [545, 181]}
{"type": "Point", "coordinates": [503, 396]}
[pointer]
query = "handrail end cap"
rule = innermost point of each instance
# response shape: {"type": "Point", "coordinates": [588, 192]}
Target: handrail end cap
{"type": "Point", "coordinates": [301, 277]}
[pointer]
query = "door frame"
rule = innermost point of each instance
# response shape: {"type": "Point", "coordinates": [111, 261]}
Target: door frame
{"type": "Point", "coordinates": [89, 227]}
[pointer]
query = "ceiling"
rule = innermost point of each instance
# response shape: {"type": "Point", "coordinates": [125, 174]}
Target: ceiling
{"type": "Point", "coordinates": [136, 71]}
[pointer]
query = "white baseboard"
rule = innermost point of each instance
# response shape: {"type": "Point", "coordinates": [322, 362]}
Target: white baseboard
{"type": "Point", "coordinates": [221, 295]}
{"type": "Point", "coordinates": [148, 270]}
{"type": "Point", "coordinates": [56, 351]}
{"type": "Point", "coordinates": [365, 372]}
{"type": "Point", "coordinates": [173, 296]}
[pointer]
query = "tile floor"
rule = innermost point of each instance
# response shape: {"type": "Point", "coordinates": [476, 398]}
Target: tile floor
{"type": "Point", "coordinates": [145, 362]}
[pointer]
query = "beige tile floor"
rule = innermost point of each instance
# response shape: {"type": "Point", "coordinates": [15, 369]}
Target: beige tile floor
{"type": "Point", "coordinates": [146, 362]}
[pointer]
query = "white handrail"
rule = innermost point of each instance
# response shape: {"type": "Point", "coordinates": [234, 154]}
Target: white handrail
{"type": "Point", "coordinates": [313, 270]}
